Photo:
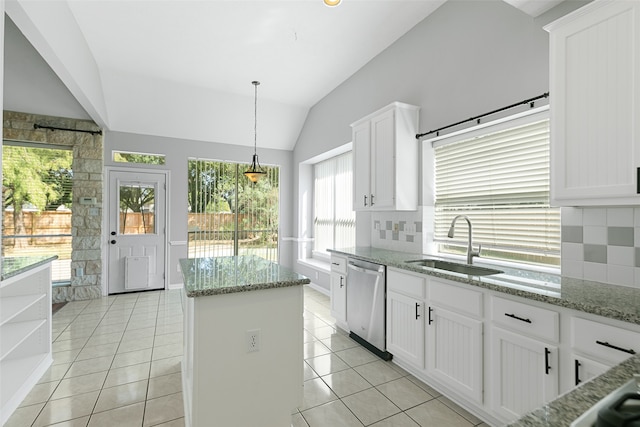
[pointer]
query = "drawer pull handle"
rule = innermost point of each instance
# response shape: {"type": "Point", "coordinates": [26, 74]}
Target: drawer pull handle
{"type": "Point", "coordinates": [417, 313]}
{"type": "Point", "coordinates": [577, 369]}
{"type": "Point", "coordinates": [513, 316]}
{"type": "Point", "coordinates": [430, 318]}
{"type": "Point", "coordinates": [547, 368]}
{"type": "Point", "coordinates": [335, 263]}
{"type": "Point", "coordinates": [626, 350]}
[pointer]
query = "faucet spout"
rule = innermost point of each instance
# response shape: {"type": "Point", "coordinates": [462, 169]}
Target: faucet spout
{"type": "Point", "coordinates": [470, 252]}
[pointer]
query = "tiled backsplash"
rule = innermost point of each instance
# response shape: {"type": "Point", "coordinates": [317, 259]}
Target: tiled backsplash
{"type": "Point", "coordinates": [398, 231]}
{"type": "Point", "coordinates": [602, 244]}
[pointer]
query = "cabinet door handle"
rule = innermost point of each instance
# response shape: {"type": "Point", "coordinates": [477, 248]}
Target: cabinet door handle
{"type": "Point", "coordinates": [417, 312]}
{"type": "Point", "coordinates": [547, 368]}
{"type": "Point", "coordinates": [430, 318]}
{"type": "Point", "coordinates": [638, 180]}
{"type": "Point", "coordinates": [577, 371]}
{"type": "Point", "coordinates": [341, 281]}
{"type": "Point", "coordinates": [365, 200]}
{"type": "Point", "coordinates": [372, 200]}
{"type": "Point", "coordinates": [513, 316]}
{"type": "Point", "coordinates": [626, 350]}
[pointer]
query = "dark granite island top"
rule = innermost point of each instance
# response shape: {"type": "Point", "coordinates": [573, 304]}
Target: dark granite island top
{"type": "Point", "coordinates": [14, 266]}
{"type": "Point", "coordinates": [224, 275]}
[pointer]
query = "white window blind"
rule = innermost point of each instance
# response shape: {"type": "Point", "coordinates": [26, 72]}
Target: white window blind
{"type": "Point", "coordinates": [500, 180]}
{"type": "Point", "coordinates": [334, 218]}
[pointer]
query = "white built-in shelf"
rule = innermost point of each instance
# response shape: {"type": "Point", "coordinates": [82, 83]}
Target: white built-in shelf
{"type": "Point", "coordinates": [14, 334]}
{"type": "Point", "coordinates": [10, 307]}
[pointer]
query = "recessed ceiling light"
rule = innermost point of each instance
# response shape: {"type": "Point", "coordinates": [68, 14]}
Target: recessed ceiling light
{"type": "Point", "coordinates": [332, 2]}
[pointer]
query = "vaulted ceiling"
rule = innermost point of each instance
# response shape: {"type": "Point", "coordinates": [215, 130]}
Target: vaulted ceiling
{"type": "Point", "coordinates": [183, 68]}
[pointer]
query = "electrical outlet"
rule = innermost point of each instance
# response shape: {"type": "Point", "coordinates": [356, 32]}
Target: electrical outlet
{"type": "Point", "coordinates": [253, 340]}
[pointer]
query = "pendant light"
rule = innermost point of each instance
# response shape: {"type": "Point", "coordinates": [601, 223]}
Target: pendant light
{"type": "Point", "coordinates": [255, 171]}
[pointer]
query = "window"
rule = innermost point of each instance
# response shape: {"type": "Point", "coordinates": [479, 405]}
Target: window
{"type": "Point", "coordinates": [140, 158]}
{"type": "Point", "coordinates": [334, 224]}
{"type": "Point", "coordinates": [499, 178]}
{"type": "Point", "coordinates": [229, 215]}
{"type": "Point", "coordinates": [37, 201]}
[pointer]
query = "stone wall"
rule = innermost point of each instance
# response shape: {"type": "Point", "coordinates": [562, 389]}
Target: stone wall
{"type": "Point", "coordinates": [86, 227]}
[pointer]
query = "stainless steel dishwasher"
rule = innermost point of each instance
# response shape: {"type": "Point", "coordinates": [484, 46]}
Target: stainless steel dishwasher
{"type": "Point", "coordinates": [366, 305]}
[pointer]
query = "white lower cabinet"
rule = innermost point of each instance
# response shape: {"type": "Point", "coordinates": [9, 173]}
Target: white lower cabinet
{"type": "Point", "coordinates": [585, 368]}
{"type": "Point", "coordinates": [405, 328]}
{"type": "Point", "coordinates": [524, 373]}
{"type": "Point", "coordinates": [455, 351]}
{"type": "Point", "coordinates": [405, 316]}
{"type": "Point", "coordinates": [339, 297]}
{"type": "Point", "coordinates": [339, 290]}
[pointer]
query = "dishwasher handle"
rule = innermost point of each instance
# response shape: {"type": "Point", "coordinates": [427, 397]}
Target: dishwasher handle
{"type": "Point", "coordinates": [362, 270]}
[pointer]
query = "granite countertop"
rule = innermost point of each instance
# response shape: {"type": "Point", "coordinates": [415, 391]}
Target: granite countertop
{"type": "Point", "coordinates": [611, 301]}
{"type": "Point", "coordinates": [562, 411]}
{"type": "Point", "coordinates": [224, 275]}
{"type": "Point", "coordinates": [616, 302]}
{"type": "Point", "coordinates": [16, 265]}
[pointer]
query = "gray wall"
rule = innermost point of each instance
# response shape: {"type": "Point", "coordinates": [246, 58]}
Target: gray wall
{"type": "Point", "coordinates": [467, 58]}
{"type": "Point", "coordinates": [177, 152]}
{"type": "Point", "coordinates": [30, 86]}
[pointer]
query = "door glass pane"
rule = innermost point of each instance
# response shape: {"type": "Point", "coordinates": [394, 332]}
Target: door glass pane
{"type": "Point", "coordinates": [137, 208]}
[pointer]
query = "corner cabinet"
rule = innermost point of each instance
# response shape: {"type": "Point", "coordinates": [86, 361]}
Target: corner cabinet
{"type": "Point", "coordinates": [595, 105]}
{"type": "Point", "coordinates": [25, 335]}
{"type": "Point", "coordinates": [385, 159]}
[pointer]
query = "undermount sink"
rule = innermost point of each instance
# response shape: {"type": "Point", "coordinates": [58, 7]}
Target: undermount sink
{"type": "Point", "coordinates": [455, 267]}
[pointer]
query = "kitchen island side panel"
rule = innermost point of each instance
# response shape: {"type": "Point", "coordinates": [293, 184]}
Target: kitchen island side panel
{"type": "Point", "coordinates": [230, 385]}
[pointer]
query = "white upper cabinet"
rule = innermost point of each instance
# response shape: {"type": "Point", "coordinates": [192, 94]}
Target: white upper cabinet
{"type": "Point", "coordinates": [385, 159]}
{"type": "Point", "coordinates": [595, 101]}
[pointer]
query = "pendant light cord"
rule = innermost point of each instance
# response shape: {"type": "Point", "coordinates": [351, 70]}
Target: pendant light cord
{"type": "Point", "coordinates": [255, 115]}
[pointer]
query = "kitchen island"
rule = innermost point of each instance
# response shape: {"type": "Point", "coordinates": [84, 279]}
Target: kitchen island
{"type": "Point", "coordinates": [242, 362]}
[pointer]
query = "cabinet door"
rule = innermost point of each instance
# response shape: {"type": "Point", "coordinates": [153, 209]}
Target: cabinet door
{"type": "Point", "coordinates": [524, 373]}
{"type": "Point", "coordinates": [362, 166]}
{"type": "Point", "coordinates": [454, 351]}
{"type": "Point", "coordinates": [584, 369]}
{"type": "Point", "coordinates": [383, 171]}
{"type": "Point", "coordinates": [339, 297]}
{"type": "Point", "coordinates": [405, 328]}
{"type": "Point", "coordinates": [595, 124]}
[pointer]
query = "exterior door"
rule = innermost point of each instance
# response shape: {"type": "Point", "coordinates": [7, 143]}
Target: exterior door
{"type": "Point", "coordinates": [136, 231]}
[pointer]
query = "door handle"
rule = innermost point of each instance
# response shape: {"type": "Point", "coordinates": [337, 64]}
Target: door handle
{"type": "Point", "coordinates": [341, 281]}
{"type": "Point", "coordinates": [577, 371]}
{"type": "Point", "coordinates": [365, 200]}
{"type": "Point", "coordinates": [372, 200]}
{"type": "Point", "coordinates": [417, 313]}
{"type": "Point", "coordinates": [430, 318]}
{"type": "Point", "coordinates": [113, 242]}
{"type": "Point", "coordinates": [547, 368]}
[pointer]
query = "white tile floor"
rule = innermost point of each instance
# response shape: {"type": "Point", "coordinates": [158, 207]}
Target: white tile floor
{"type": "Point", "coordinates": [117, 363]}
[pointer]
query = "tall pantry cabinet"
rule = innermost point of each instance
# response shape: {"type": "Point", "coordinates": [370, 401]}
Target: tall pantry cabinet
{"type": "Point", "coordinates": [595, 105]}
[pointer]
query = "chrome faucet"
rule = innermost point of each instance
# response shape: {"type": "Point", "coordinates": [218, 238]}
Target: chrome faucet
{"type": "Point", "coordinates": [470, 252]}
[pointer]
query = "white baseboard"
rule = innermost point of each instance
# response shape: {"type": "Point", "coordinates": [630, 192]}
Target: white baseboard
{"type": "Point", "coordinates": [319, 289]}
{"type": "Point", "coordinates": [176, 285]}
